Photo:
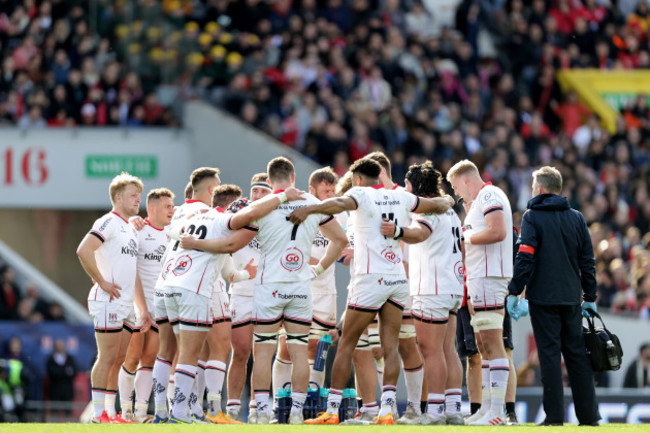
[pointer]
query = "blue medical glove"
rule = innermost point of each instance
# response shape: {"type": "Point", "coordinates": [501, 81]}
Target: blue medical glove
{"type": "Point", "coordinates": [511, 304]}
{"type": "Point", "coordinates": [588, 306]}
{"type": "Point", "coordinates": [523, 307]}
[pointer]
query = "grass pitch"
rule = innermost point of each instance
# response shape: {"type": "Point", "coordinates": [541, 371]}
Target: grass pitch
{"type": "Point", "coordinates": [148, 428]}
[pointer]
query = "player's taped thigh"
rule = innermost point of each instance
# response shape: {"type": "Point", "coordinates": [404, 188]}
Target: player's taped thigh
{"type": "Point", "coordinates": [486, 320]}
{"type": "Point", "coordinates": [316, 331]}
{"type": "Point", "coordinates": [406, 331]}
{"type": "Point", "coordinates": [297, 338]}
{"type": "Point", "coordinates": [363, 343]}
{"type": "Point", "coordinates": [373, 337]}
{"type": "Point", "coordinates": [265, 337]}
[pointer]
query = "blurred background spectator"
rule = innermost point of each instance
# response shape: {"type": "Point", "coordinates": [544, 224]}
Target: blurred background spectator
{"type": "Point", "coordinates": [638, 373]}
{"type": "Point", "coordinates": [61, 372]}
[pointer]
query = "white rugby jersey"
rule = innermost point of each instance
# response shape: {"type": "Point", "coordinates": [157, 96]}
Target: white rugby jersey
{"type": "Point", "coordinates": [374, 253]}
{"type": "Point", "coordinates": [197, 270]}
{"type": "Point", "coordinates": [187, 208]}
{"type": "Point", "coordinates": [286, 248]}
{"type": "Point", "coordinates": [152, 243]}
{"type": "Point", "coordinates": [240, 259]}
{"type": "Point", "coordinates": [116, 258]}
{"type": "Point", "coordinates": [325, 282]}
{"type": "Point", "coordinates": [436, 265]}
{"type": "Point", "coordinates": [493, 260]}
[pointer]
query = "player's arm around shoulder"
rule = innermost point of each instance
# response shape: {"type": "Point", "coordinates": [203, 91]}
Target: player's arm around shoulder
{"type": "Point", "coordinates": [331, 206]}
{"type": "Point", "coordinates": [419, 231]}
{"type": "Point", "coordinates": [437, 205]}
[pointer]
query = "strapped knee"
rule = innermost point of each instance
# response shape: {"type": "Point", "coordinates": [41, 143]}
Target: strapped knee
{"type": "Point", "coordinates": [373, 337]}
{"type": "Point", "coordinates": [363, 343]}
{"type": "Point", "coordinates": [265, 338]}
{"type": "Point", "coordinates": [316, 332]}
{"type": "Point", "coordinates": [406, 331]}
{"type": "Point", "coordinates": [301, 339]}
{"type": "Point", "coordinates": [486, 320]}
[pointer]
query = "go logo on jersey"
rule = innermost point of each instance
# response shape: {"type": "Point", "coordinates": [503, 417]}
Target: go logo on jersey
{"type": "Point", "coordinates": [391, 255]}
{"type": "Point", "coordinates": [182, 265]}
{"type": "Point", "coordinates": [292, 259]}
{"type": "Point", "coordinates": [459, 271]}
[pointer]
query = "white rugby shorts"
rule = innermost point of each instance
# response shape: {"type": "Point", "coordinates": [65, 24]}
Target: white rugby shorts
{"type": "Point", "coordinates": [369, 292]}
{"type": "Point", "coordinates": [487, 293]}
{"type": "Point", "coordinates": [220, 303]}
{"type": "Point", "coordinates": [112, 316]}
{"type": "Point", "coordinates": [187, 310]}
{"type": "Point", "coordinates": [150, 311]}
{"type": "Point", "coordinates": [290, 302]}
{"type": "Point", "coordinates": [159, 307]}
{"type": "Point", "coordinates": [435, 308]}
{"type": "Point", "coordinates": [324, 311]}
{"type": "Point", "coordinates": [241, 310]}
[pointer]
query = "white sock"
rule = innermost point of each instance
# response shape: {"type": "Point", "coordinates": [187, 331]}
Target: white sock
{"type": "Point", "coordinates": [435, 405]}
{"type": "Point", "coordinates": [196, 405]}
{"type": "Point", "coordinates": [99, 401]}
{"type": "Point", "coordinates": [387, 399]}
{"type": "Point", "coordinates": [125, 383]}
{"type": "Point", "coordinates": [485, 387]}
{"type": "Point", "coordinates": [215, 373]}
{"type": "Point", "coordinates": [262, 400]}
{"type": "Point", "coordinates": [315, 375]}
{"type": "Point", "coordinates": [499, 371]}
{"type": "Point", "coordinates": [200, 381]}
{"type": "Point", "coordinates": [184, 380]}
{"type": "Point", "coordinates": [413, 379]}
{"type": "Point", "coordinates": [170, 392]}
{"type": "Point", "coordinates": [109, 401]}
{"type": "Point", "coordinates": [334, 401]}
{"type": "Point", "coordinates": [143, 384]}
{"type": "Point", "coordinates": [298, 401]}
{"type": "Point", "coordinates": [281, 374]}
{"type": "Point", "coordinates": [233, 406]}
{"type": "Point", "coordinates": [160, 374]}
{"type": "Point", "coordinates": [370, 408]}
{"type": "Point", "coordinates": [453, 400]}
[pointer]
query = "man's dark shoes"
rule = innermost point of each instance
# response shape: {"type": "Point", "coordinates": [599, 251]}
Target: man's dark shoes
{"type": "Point", "coordinates": [511, 419]}
{"type": "Point", "coordinates": [547, 423]}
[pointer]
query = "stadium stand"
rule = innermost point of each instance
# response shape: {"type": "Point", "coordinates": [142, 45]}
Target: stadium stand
{"type": "Point", "coordinates": [335, 80]}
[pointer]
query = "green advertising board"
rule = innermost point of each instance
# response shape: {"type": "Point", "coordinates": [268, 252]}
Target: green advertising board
{"type": "Point", "coordinates": [108, 166]}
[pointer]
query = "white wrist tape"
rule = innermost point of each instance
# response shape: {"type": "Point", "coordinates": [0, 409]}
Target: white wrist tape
{"type": "Point", "coordinates": [283, 197]}
{"type": "Point", "coordinates": [318, 269]}
{"type": "Point", "coordinates": [467, 234]}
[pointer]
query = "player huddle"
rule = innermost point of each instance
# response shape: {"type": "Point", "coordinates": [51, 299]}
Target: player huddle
{"type": "Point", "coordinates": [165, 321]}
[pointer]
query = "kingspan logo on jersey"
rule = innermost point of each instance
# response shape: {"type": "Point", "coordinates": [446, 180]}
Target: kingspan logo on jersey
{"type": "Point", "coordinates": [320, 240]}
{"type": "Point", "coordinates": [131, 249]}
{"type": "Point", "coordinates": [157, 255]}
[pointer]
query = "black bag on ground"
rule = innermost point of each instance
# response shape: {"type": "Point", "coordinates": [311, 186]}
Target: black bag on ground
{"type": "Point", "coordinates": [603, 347]}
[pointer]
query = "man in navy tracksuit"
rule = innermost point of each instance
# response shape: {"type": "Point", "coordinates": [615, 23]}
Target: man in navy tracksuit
{"type": "Point", "coordinates": [556, 263]}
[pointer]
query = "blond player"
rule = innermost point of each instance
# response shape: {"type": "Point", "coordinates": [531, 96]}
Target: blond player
{"type": "Point", "coordinates": [108, 254]}
{"type": "Point", "coordinates": [487, 232]}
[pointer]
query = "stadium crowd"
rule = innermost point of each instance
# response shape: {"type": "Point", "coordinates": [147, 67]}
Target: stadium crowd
{"type": "Point", "coordinates": [335, 79]}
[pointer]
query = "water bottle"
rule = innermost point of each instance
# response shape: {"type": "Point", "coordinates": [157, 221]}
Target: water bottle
{"type": "Point", "coordinates": [611, 356]}
{"type": "Point", "coordinates": [348, 404]}
{"type": "Point", "coordinates": [324, 395]}
{"type": "Point", "coordinates": [312, 402]}
{"type": "Point", "coordinates": [283, 408]}
{"type": "Point", "coordinates": [352, 406]}
{"type": "Point", "coordinates": [321, 352]}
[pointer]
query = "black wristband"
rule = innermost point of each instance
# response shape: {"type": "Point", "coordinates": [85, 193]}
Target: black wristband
{"type": "Point", "coordinates": [399, 232]}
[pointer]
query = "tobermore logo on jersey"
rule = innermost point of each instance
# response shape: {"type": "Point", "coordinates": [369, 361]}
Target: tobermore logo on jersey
{"type": "Point", "coordinates": [108, 166]}
{"type": "Point", "coordinates": [131, 249]}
